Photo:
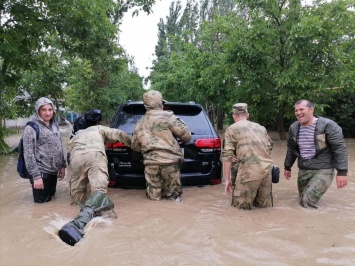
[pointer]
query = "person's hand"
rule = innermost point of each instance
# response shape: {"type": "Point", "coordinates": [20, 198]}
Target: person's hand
{"type": "Point", "coordinates": [38, 183]}
{"type": "Point", "coordinates": [234, 159]}
{"type": "Point", "coordinates": [61, 173]}
{"type": "Point", "coordinates": [342, 181]}
{"type": "Point", "coordinates": [287, 174]}
{"type": "Point", "coordinates": [228, 189]}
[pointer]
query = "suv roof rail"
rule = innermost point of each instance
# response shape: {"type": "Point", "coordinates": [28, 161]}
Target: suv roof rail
{"type": "Point", "coordinates": [192, 102]}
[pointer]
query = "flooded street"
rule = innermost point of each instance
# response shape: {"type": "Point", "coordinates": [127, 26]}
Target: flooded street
{"type": "Point", "coordinates": [202, 230]}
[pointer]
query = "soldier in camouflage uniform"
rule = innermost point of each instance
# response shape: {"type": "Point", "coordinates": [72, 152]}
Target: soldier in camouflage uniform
{"type": "Point", "coordinates": [251, 145]}
{"type": "Point", "coordinates": [319, 145]}
{"type": "Point", "coordinates": [155, 136]}
{"type": "Point", "coordinates": [88, 161]}
{"type": "Point", "coordinates": [89, 177]}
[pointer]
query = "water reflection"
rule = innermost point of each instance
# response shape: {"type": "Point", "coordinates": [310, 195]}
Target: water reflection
{"type": "Point", "coordinates": [203, 230]}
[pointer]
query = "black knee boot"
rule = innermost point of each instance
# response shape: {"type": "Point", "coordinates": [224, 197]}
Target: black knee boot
{"type": "Point", "coordinates": [72, 232]}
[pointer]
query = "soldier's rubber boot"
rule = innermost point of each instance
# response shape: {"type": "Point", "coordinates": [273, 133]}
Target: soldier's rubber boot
{"type": "Point", "coordinates": [72, 232]}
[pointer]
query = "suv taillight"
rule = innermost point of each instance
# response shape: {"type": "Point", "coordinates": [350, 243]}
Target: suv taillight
{"type": "Point", "coordinates": [208, 145]}
{"type": "Point", "coordinates": [117, 146]}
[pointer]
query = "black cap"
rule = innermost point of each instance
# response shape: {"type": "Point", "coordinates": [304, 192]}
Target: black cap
{"type": "Point", "coordinates": [93, 115]}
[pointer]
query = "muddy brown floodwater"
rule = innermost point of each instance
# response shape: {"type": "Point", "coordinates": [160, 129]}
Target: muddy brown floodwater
{"type": "Point", "coordinates": [202, 230]}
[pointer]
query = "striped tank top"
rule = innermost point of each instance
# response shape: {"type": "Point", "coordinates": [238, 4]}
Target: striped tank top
{"type": "Point", "coordinates": [306, 141]}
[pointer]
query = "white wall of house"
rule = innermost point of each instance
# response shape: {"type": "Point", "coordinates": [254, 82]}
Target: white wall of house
{"type": "Point", "coordinates": [20, 122]}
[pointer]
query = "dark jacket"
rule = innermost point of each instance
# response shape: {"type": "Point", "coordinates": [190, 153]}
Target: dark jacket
{"type": "Point", "coordinates": [330, 148]}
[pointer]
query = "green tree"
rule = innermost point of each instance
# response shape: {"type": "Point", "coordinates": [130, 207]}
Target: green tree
{"type": "Point", "coordinates": [47, 79]}
{"type": "Point", "coordinates": [266, 53]}
{"type": "Point", "coordinates": [188, 65]}
{"type": "Point", "coordinates": [102, 86]}
{"type": "Point", "coordinates": [281, 51]}
{"type": "Point", "coordinates": [85, 29]}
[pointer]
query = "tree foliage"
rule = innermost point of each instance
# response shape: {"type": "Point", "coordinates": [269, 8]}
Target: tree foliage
{"type": "Point", "coordinates": [267, 53]}
{"type": "Point", "coordinates": [103, 86]}
{"type": "Point", "coordinates": [40, 39]}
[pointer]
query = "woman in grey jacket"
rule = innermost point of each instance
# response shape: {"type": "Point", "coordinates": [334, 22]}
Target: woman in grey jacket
{"type": "Point", "coordinates": [44, 156]}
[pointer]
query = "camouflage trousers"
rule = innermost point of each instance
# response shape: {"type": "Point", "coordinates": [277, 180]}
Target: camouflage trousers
{"type": "Point", "coordinates": [88, 173]}
{"type": "Point", "coordinates": [163, 181]}
{"type": "Point", "coordinates": [312, 184]}
{"type": "Point", "coordinates": [247, 195]}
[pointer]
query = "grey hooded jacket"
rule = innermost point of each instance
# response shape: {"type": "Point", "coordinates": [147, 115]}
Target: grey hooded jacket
{"type": "Point", "coordinates": [330, 148]}
{"type": "Point", "coordinates": [44, 155]}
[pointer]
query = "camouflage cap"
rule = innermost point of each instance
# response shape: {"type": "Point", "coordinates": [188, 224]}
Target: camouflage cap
{"type": "Point", "coordinates": [153, 99]}
{"type": "Point", "coordinates": [239, 108]}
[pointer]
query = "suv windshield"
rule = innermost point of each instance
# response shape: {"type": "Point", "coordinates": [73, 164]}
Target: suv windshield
{"type": "Point", "coordinates": [192, 115]}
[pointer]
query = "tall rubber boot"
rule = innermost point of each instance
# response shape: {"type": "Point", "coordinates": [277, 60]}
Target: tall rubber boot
{"type": "Point", "coordinates": [72, 232]}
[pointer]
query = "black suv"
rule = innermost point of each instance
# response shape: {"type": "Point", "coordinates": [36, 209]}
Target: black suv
{"type": "Point", "coordinates": [201, 166]}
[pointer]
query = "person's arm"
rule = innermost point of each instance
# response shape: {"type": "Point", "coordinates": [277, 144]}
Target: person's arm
{"type": "Point", "coordinates": [341, 181]}
{"type": "Point", "coordinates": [226, 175]}
{"type": "Point", "coordinates": [135, 143]}
{"type": "Point", "coordinates": [29, 151]}
{"type": "Point", "coordinates": [335, 138]}
{"type": "Point", "coordinates": [270, 143]}
{"type": "Point", "coordinates": [61, 173]}
{"type": "Point", "coordinates": [228, 153]}
{"type": "Point", "coordinates": [290, 154]}
{"type": "Point", "coordinates": [112, 135]}
{"type": "Point", "coordinates": [179, 129]}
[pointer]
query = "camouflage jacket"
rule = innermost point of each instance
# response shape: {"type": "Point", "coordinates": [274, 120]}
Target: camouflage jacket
{"type": "Point", "coordinates": [330, 148]}
{"type": "Point", "coordinates": [44, 155]}
{"type": "Point", "coordinates": [94, 138]}
{"type": "Point", "coordinates": [155, 137]}
{"type": "Point", "coordinates": [252, 146]}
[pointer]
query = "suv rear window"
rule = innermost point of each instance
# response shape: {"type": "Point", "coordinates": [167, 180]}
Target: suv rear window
{"type": "Point", "coordinates": [192, 115]}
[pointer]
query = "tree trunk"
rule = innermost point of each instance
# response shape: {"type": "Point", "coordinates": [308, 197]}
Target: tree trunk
{"type": "Point", "coordinates": [220, 118]}
{"type": "Point", "coordinates": [280, 124]}
{"type": "Point", "coordinates": [61, 117]}
{"type": "Point", "coordinates": [211, 111]}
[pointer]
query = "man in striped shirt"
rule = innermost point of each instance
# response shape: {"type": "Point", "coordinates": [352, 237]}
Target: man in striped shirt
{"type": "Point", "coordinates": [319, 145]}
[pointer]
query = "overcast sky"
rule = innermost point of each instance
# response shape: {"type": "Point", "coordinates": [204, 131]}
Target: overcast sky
{"type": "Point", "coordinates": [139, 35]}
